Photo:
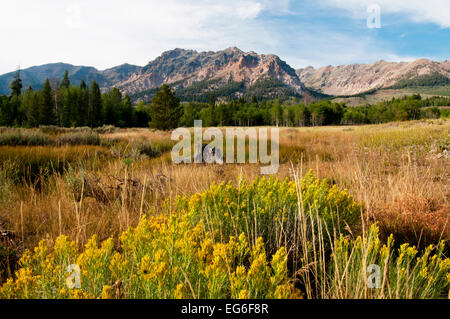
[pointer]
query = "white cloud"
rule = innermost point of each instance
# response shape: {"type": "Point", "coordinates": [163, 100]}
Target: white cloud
{"type": "Point", "coordinates": [434, 11]}
{"type": "Point", "coordinates": [249, 10]}
{"type": "Point", "coordinates": [105, 33]}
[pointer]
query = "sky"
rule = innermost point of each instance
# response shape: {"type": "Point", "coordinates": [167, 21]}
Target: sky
{"type": "Point", "coordinates": [107, 33]}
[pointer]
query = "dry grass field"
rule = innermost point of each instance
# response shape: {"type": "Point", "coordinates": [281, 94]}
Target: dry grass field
{"type": "Point", "coordinates": [399, 172]}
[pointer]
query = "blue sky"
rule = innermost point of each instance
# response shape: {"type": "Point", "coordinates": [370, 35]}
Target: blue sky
{"type": "Point", "coordinates": [104, 33]}
{"type": "Point", "coordinates": [338, 34]}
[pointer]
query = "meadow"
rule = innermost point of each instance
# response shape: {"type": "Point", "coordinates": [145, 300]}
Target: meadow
{"type": "Point", "coordinates": [138, 226]}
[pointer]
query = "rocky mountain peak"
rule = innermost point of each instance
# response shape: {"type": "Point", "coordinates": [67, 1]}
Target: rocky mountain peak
{"type": "Point", "coordinates": [184, 68]}
{"type": "Point", "coordinates": [358, 78]}
{"type": "Point", "coordinates": [233, 73]}
{"type": "Point", "coordinates": [233, 50]}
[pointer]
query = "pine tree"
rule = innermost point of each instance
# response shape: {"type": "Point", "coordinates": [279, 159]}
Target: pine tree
{"type": "Point", "coordinates": [30, 105]}
{"type": "Point", "coordinates": [212, 106]}
{"type": "Point", "coordinates": [141, 116]}
{"type": "Point", "coordinates": [83, 105]}
{"type": "Point", "coordinates": [16, 84]}
{"type": "Point", "coordinates": [212, 100]}
{"type": "Point", "coordinates": [67, 114]}
{"type": "Point", "coordinates": [46, 107]}
{"type": "Point", "coordinates": [112, 103]}
{"type": "Point", "coordinates": [6, 111]}
{"type": "Point", "coordinates": [127, 112]}
{"type": "Point", "coordinates": [165, 110]}
{"type": "Point", "coordinates": [65, 83]}
{"type": "Point", "coordinates": [95, 106]}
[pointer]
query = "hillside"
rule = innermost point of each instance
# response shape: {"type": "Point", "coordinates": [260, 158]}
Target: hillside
{"type": "Point", "coordinates": [358, 78]}
{"type": "Point", "coordinates": [35, 76]}
{"type": "Point", "coordinates": [230, 73]}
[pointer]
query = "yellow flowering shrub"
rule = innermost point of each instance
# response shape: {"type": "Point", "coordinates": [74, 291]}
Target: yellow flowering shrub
{"type": "Point", "coordinates": [227, 242]}
{"type": "Point", "coordinates": [268, 208]}
{"type": "Point", "coordinates": [160, 258]}
{"type": "Point", "coordinates": [403, 273]}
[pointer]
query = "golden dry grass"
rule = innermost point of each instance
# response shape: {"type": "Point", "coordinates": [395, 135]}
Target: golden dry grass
{"type": "Point", "coordinates": [400, 171]}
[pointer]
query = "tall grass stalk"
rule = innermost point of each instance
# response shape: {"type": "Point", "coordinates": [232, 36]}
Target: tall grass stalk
{"type": "Point", "coordinates": [339, 267]}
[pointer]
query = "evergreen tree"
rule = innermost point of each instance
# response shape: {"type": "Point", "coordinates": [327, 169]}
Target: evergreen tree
{"type": "Point", "coordinates": [6, 117]}
{"type": "Point", "coordinates": [112, 102]}
{"type": "Point", "coordinates": [83, 105]}
{"type": "Point", "coordinates": [16, 85]}
{"type": "Point", "coordinates": [46, 107]}
{"type": "Point", "coordinates": [30, 106]}
{"type": "Point", "coordinates": [212, 100]}
{"type": "Point", "coordinates": [83, 85]}
{"type": "Point", "coordinates": [212, 107]}
{"type": "Point", "coordinates": [68, 107]}
{"type": "Point", "coordinates": [65, 83]}
{"type": "Point", "coordinates": [142, 115]}
{"type": "Point", "coordinates": [127, 112]}
{"type": "Point", "coordinates": [165, 110]}
{"type": "Point", "coordinates": [95, 106]}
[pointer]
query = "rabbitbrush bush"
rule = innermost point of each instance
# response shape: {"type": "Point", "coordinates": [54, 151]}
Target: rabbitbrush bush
{"type": "Point", "coordinates": [402, 273]}
{"type": "Point", "coordinates": [230, 242]}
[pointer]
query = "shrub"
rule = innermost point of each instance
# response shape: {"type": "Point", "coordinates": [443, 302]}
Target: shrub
{"type": "Point", "coordinates": [445, 113]}
{"type": "Point", "coordinates": [234, 242]}
{"type": "Point", "coordinates": [151, 148]}
{"type": "Point", "coordinates": [269, 208]}
{"type": "Point", "coordinates": [56, 130]}
{"type": "Point", "coordinates": [402, 275]}
{"type": "Point", "coordinates": [106, 129]}
{"type": "Point", "coordinates": [8, 258]}
{"type": "Point", "coordinates": [79, 138]}
{"type": "Point", "coordinates": [137, 149]}
{"type": "Point", "coordinates": [161, 258]}
{"type": "Point", "coordinates": [23, 137]}
{"type": "Point", "coordinates": [52, 129]}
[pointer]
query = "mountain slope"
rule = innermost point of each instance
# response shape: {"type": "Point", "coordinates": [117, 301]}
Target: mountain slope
{"type": "Point", "coordinates": [232, 71]}
{"type": "Point", "coordinates": [358, 78]}
{"type": "Point", "coordinates": [119, 73]}
{"type": "Point", "coordinates": [35, 76]}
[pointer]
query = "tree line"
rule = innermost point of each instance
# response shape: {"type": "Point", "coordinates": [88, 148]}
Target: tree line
{"type": "Point", "coordinates": [63, 104]}
{"type": "Point", "coordinates": [325, 112]}
{"type": "Point", "coordinates": [407, 108]}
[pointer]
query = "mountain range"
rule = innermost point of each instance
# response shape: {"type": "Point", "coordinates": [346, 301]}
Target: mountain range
{"type": "Point", "coordinates": [233, 73]}
{"type": "Point", "coordinates": [35, 76]}
{"type": "Point", "coordinates": [358, 78]}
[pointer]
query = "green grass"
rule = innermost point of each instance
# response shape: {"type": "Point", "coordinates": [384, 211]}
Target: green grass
{"type": "Point", "coordinates": [430, 90]}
